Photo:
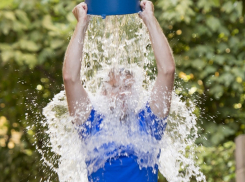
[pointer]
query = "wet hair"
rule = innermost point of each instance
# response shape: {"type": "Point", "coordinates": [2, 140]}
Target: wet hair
{"type": "Point", "coordinates": [128, 73]}
{"type": "Point", "coordinates": [121, 71]}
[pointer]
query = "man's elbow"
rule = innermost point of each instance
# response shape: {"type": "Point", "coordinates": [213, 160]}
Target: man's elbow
{"type": "Point", "coordinates": [170, 70]}
{"type": "Point", "coordinates": [67, 77]}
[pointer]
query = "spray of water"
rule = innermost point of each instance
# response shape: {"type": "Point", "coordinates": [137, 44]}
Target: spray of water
{"type": "Point", "coordinates": [121, 43]}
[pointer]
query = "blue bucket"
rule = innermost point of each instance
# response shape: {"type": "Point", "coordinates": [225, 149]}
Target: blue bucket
{"type": "Point", "coordinates": [112, 7]}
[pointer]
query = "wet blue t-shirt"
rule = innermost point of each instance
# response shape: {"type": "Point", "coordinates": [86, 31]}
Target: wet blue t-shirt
{"type": "Point", "coordinates": [124, 168]}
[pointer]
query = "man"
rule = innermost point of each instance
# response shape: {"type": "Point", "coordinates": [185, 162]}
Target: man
{"type": "Point", "coordinates": [117, 88]}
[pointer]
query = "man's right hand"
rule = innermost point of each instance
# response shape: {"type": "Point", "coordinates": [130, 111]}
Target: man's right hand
{"type": "Point", "coordinates": [80, 13]}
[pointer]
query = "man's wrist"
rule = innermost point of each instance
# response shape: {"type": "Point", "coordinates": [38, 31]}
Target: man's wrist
{"type": "Point", "coordinates": [149, 20]}
{"type": "Point", "coordinates": [82, 25]}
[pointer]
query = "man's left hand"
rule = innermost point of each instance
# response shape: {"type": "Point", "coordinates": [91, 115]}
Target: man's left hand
{"type": "Point", "coordinates": [147, 11]}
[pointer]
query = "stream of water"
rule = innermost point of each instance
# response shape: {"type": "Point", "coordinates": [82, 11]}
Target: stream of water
{"type": "Point", "coordinates": [121, 43]}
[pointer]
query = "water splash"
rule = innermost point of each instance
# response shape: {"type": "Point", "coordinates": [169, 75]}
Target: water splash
{"type": "Point", "coordinates": [120, 42]}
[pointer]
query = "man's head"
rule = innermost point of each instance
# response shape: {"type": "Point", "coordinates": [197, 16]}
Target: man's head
{"type": "Point", "coordinates": [121, 90]}
{"type": "Point", "coordinates": [119, 83]}
{"type": "Point", "coordinates": [118, 88]}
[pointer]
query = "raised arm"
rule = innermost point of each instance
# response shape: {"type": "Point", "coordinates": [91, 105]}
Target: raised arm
{"type": "Point", "coordinates": [162, 91]}
{"type": "Point", "coordinates": [77, 97]}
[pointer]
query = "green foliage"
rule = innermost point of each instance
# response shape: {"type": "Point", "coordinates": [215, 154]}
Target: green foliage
{"type": "Point", "coordinates": [218, 163]}
{"type": "Point", "coordinates": [207, 38]}
{"type": "Point", "coordinates": [21, 103]}
{"type": "Point", "coordinates": [33, 37]}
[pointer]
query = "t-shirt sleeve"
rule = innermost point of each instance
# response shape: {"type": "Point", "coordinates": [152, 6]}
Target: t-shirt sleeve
{"type": "Point", "coordinates": [152, 124]}
{"type": "Point", "coordinates": [91, 125]}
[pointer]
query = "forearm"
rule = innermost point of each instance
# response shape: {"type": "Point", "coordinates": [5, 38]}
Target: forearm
{"type": "Point", "coordinates": [162, 51]}
{"type": "Point", "coordinates": [73, 55]}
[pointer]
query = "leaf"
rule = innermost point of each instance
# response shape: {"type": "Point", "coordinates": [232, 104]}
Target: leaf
{"type": "Point", "coordinates": [238, 72]}
{"type": "Point", "coordinates": [202, 29]}
{"type": "Point", "coordinates": [227, 78]}
{"type": "Point", "coordinates": [224, 30]}
{"type": "Point", "coordinates": [219, 59]}
{"type": "Point", "coordinates": [70, 17]}
{"type": "Point", "coordinates": [9, 15]}
{"type": "Point", "coordinates": [226, 130]}
{"type": "Point", "coordinates": [217, 137]}
{"type": "Point", "coordinates": [6, 55]}
{"type": "Point", "coordinates": [238, 7]}
{"type": "Point", "coordinates": [234, 42]}
{"type": "Point", "coordinates": [59, 9]}
{"type": "Point", "coordinates": [28, 45]}
{"type": "Point", "coordinates": [203, 49]}
{"type": "Point", "coordinates": [207, 71]}
{"type": "Point", "coordinates": [237, 87]}
{"type": "Point", "coordinates": [36, 36]}
{"type": "Point", "coordinates": [18, 57]}
{"type": "Point", "coordinates": [216, 3]}
{"type": "Point", "coordinates": [44, 55]}
{"type": "Point", "coordinates": [217, 91]}
{"type": "Point", "coordinates": [5, 3]}
{"type": "Point", "coordinates": [205, 4]}
{"type": "Point", "coordinates": [22, 16]}
{"type": "Point", "coordinates": [5, 47]}
{"type": "Point", "coordinates": [199, 64]}
{"type": "Point", "coordinates": [213, 23]}
{"type": "Point", "coordinates": [211, 127]}
{"type": "Point", "coordinates": [30, 60]}
{"type": "Point", "coordinates": [57, 43]}
{"type": "Point", "coordinates": [210, 70]}
{"type": "Point", "coordinates": [234, 17]}
{"type": "Point", "coordinates": [17, 26]}
{"type": "Point", "coordinates": [6, 26]}
{"type": "Point", "coordinates": [47, 23]}
{"type": "Point", "coordinates": [228, 7]}
{"type": "Point", "coordinates": [222, 47]}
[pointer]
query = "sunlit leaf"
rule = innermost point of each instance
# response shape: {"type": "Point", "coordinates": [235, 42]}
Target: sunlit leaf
{"type": "Point", "coordinates": [22, 16]}
{"type": "Point", "coordinates": [6, 26]}
{"type": "Point", "coordinates": [30, 60]}
{"type": "Point", "coordinates": [213, 23]}
{"type": "Point", "coordinates": [227, 78]}
{"type": "Point", "coordinates": [5, 47]}
{"type": "Point", "coordinates": [216, 3]}
{"type": "Point", "coordinates": [6, 55]}
{"type": "Point", "coordinates": [5, 4]}
{"type": "Point", "coordinates": [228, 7]}
{"type": "Point", "coordinates": [44, 55]}
{"type": "Point", "coordinates": [9, 15]}
{"type": "Point", "coordinates": [217, 91]}
{"type": "Point", "coordinates": [56, 43]}
{"type": "Point", "coordinates": [219, 59]}
{"type": "Point", "coordinates": [239, 7]}
{"type": "Point", "coordinates": [47, 23]}
{"type": "Point", "coordinates": [234, 42]}
{"type": "Point", "coordinates": [199, 64]}
{"type": "Point", "coordinates": [28, 45]}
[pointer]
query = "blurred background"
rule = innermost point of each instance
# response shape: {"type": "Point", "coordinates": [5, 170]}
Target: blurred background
{"type": "Point", "coordinates": [208, 41]}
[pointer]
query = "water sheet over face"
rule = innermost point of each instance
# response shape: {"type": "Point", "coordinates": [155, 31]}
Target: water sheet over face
{"type": "Point", "coordinates": [121, 42]}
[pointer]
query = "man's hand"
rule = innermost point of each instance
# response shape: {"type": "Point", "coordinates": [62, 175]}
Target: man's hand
{"type": "Point", "coordinates": [148, 11]}
{"type": "Point", "coordinates": [80, 13]}
{"type": "Point", "coordinates": [77, 97]}
{"type": "Point", "coordinates": [162, 91]}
